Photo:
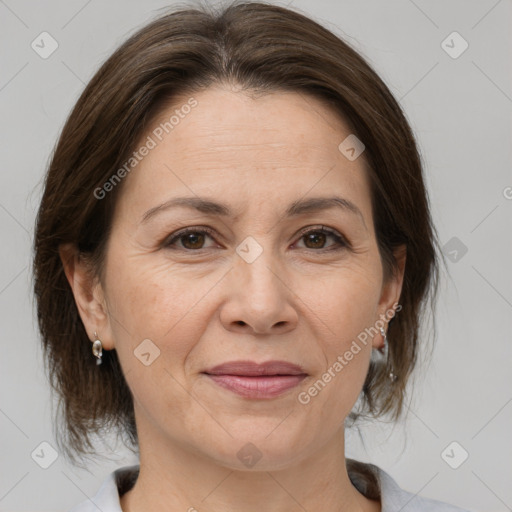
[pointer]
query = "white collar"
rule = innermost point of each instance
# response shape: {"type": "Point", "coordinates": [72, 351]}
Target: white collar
{"type": "Point", "coordinates": [393, 498]}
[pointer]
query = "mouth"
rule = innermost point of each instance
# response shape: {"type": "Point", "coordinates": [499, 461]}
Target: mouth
{"type": "Point", "coordinates": [257, 381]}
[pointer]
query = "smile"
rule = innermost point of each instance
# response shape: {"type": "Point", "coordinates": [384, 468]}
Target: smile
{"type": "Point", "coordinates": [257, 387]}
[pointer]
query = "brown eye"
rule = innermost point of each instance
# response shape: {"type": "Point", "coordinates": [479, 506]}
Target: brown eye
{"type": "Point", "coordinates": [314, 239]}
{"type": "Point", "coordinates": [317, 238]}
{"type": "Point", "coordinates": [190, 239]}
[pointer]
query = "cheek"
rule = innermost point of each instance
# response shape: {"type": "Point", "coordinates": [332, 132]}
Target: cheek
{"type": "Point", "coordinates": [346, 303]}
{"type": "Point", "coordinates": [149, 300]}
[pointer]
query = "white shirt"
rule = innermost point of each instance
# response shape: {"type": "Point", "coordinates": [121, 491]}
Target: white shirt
{"type": "Point", "coordinates": [393, 498]}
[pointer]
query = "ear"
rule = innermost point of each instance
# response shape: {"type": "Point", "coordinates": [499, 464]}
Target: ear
{"type": "Point", "coordinates": [391, 290]}
{"type": "Point", "coordinates": [88, 293]}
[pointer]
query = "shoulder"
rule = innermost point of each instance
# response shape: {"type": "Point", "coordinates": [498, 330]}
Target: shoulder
{"type": "Point", "coordinates": [107, 497]}
{"type": "Point", "coordinates": [394, 498]}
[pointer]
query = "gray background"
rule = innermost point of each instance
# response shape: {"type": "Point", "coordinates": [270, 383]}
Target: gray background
{"type": "Point", "coordinates": [460, 110]}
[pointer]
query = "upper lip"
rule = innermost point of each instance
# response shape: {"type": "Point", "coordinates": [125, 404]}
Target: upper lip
{"type": "Point", "coordinates": [251, 368]}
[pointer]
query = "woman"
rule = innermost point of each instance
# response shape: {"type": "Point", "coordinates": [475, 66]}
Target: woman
{"type": "Point", "coordinates": [233, 247]}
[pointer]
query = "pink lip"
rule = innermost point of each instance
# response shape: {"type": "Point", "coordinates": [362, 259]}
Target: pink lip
{"type": "Point", "coordinates": [258, 387]}
{"type": "Point", "coordinates": [252, 369]}
{"type": "Point", "coordinates": [253, 380]}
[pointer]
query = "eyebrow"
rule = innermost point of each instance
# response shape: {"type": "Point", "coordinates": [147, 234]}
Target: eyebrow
{"type": "Point", "coordinates": [300, 207]}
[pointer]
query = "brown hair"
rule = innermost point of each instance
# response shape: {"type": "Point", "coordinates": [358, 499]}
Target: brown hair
{"type": "Point", "coordinates": [260, 48]}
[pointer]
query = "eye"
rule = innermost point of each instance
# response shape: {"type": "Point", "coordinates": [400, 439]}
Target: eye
{"type": "Point", "coordinates": [190, 238]}
{"type": "Point", "coordinates": [315, 239]}
{"type": "Point", "coordinates": [193, 239]}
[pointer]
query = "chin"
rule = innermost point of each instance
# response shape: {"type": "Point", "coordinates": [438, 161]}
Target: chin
{"type": "Point", "coordinates": [256, 450]}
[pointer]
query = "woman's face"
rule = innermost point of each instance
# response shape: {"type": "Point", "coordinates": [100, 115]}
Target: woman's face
{"type": "Point", "coordinates": [247, 283]}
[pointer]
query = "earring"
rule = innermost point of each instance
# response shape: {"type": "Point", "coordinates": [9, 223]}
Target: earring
{"type": "Point", "coordinates": [97, 349]}
{"type": "Point", "coordinates": [385, 352]}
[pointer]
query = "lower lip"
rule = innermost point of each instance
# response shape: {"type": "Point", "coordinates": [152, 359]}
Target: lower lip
{"type": "Point", "coordinates": [258, 387]}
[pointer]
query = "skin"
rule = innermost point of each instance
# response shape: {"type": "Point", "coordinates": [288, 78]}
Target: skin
{"type": "Point", "coordinates": [294, 302]}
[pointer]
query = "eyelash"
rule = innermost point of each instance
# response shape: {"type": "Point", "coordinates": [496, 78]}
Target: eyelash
{"type": "Point", "coordinates": [340, 240]}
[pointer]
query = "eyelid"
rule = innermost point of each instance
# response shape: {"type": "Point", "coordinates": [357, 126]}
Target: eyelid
{"type": "Point", "coordinates": [340, 239]}
{"type": "Point", "coordinates": [320, 228]}
{"type": "Point", "coordinates": [168, 240]}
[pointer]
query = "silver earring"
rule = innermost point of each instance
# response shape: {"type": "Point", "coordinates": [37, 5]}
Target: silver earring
{"type": "Point", "coordinates": [97, 349]}
{"type": "Point", "coordinates": [385, 352]}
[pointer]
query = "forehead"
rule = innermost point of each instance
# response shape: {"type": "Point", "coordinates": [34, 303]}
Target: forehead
{"type": "Point", "coordinates": [228, 122]}
{"type": "Point", "coordinates": [274, 145]}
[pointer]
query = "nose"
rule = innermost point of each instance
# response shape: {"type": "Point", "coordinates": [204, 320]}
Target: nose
{"type": "Point", "coordinates": [259, 299]}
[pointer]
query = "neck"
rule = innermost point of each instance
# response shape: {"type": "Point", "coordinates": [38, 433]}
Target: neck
{"type": "Point", "coordinates": [174, 478]}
